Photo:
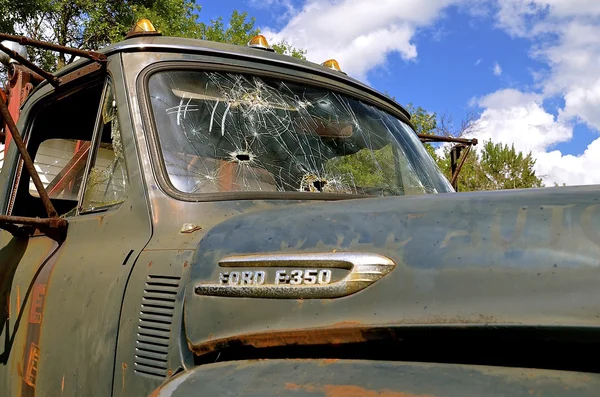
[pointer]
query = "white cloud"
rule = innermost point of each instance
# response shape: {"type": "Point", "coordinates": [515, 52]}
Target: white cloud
{"type": "Point", "coordinates": [514, 117]}
{"type": "Point", "coordinates": [497, 69]}
{"type": "Point", "coordinates": [511, 116]}
{"type": "Point", "coordinates": [277, 6]}
{"type": "Point", "coordinates": [564, 36]}
{"type": "Point", "coordinates": [569, 169]}
{"type": "Point", "coordinates": [358, 33]}
{"type": "Point", "coordinates": [563, 33]}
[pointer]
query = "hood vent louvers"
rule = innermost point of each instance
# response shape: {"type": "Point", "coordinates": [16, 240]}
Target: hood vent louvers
{"type": "Point", "coordinates": [154, 325]}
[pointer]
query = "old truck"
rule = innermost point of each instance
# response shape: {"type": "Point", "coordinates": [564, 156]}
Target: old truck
{"type": "Point", "coordinates": [188, 218]}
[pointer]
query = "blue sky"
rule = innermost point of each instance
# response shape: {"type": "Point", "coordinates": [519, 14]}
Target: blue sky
{"type": "Point", "coordinates": [528, 70]}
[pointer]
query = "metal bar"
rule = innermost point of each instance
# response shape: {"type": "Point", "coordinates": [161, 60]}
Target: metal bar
{"type": "Point", "coordinates": [14, 132]}
{"type": "Point", "coordinates": [24, 220]}
{"type": "Point", "coordinates": [95, 56]}
{"type": "Point", "coordinates": [460, 164]}
{"type": "Point", "coordinates": [68, 173]}
{"type": "Point", "coordinates": [23, 61]}
{"type": "Point", "coordinates": [439, 138]}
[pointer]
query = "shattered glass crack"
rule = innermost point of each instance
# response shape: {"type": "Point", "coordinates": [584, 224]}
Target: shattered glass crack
{"type": "Point", "coordinates": [223, 132]}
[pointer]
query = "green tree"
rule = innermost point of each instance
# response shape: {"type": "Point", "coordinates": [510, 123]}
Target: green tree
{"type": "Point", "coordinates": [92, 24]}
{"type": "Point", "coordinates": [497, 166]}
{"type": "Point", "coordinates": [424, 123]}
{"type": "Point", "coordinates": [286, 48]}
{"type": "Point", "coordinates": [494, 167]}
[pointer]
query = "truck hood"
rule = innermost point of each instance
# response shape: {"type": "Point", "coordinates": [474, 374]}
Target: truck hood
{"type": "Point", "coordinates": [523, 258]}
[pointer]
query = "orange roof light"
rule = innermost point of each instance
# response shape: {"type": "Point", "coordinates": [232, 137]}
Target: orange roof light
{"type": "Point", "coordinates": [332, 64]}
{"type": "Point", "coordinates": [260, 41]}
{"type": "Point", "coordinates": [143, 27]}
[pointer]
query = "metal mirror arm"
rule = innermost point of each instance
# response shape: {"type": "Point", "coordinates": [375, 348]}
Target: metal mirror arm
{"type": "Point", "coordinates": [94, 56]}
{"type": "Point", "coordinates": [455, 153]}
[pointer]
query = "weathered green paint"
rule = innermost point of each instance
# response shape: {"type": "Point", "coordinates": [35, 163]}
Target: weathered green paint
{"type": "Point", "coordinates": [479, 260]}
{"type": "Point", "coordinates": [344, 378]}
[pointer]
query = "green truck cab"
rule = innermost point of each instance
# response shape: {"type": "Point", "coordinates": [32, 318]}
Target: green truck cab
{"type": "Point", "coordinates": [231, 221]}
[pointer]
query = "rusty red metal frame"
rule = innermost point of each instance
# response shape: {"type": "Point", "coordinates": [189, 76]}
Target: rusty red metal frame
{"type": "Point", "coordinates": [23, 61]}
{"type": "Point", "coordinates": [95, 56]}
{"type": "Point", "coordinates": [14, 132]}
{"type": "Point", "coordinates": [8, 221]}
{"type": "Point", "coordinates": [68, 173]}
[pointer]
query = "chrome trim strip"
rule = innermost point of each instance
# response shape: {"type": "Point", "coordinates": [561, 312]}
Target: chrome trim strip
{"type": "Point", "coordinates": [364, 270]}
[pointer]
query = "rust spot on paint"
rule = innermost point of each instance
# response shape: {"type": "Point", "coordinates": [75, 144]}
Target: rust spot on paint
{"type": "Point", "coordinates": [185, 264]}
{"type": "Point", "coordinates": [150, 264]}
{"type": "Point", "coordinates": [329, 361]}
{"type": "Point", "coordinates": [31, 370]}
{"type": "Point", "coordinates": [18, 300]}
{"type": "Point", "coordinates": [346, 324]}
{"type": "Point", "coordinates": [62, 384]}
{"type": "Point", "coordinates": [124, 366]}
{"type": "Point", "coordinates": [351, 391]}
{"type": "Point", "coordinates": [340, 334]}
{"type": "Point", "coordinates": [294, 386]}
{"type": "Point", "coordinates": [37, 304]}
{"type": "Point", "coordinates": [357, 391]}
{"type": "Point", "coordinates": [169, 372]}
{"type": "Point", "coordinates": [300, 302]}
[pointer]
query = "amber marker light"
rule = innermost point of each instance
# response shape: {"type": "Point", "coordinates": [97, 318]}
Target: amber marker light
{"type": "Point", "coordinates": [260, 42]}
{"type": "Point", "coordinates": [332, 64]}
{"type": "Point", "coordinates": [143, 27]}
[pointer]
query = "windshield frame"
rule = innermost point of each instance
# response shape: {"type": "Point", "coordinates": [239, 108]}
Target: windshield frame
{"type": "Point", "coordinates": [156, 156]}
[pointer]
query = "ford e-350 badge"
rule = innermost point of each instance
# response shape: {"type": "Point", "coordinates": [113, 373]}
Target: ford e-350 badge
{"type": "Point", "coordinates": [297, 276]}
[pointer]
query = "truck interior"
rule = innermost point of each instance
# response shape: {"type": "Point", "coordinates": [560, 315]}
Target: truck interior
{"type": "Point", "coordinates": [61, 153]}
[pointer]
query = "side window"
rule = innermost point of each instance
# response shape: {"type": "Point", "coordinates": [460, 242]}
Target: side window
{"type": "Point", "coordinates": [107, 183]}
{"type": "Point", "coordinates": [75, 143]}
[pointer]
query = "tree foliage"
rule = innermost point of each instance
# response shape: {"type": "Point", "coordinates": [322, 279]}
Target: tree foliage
{"type": "Point", "coordinates": [92, 24]}
{"type": "Point", "coordinates": [495, 166]}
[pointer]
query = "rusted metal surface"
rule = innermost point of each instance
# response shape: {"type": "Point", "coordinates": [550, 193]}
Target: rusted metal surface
{"type": "Point", "coordinates": [346, 378]}
{"type": "Point", "coordinates": [539, 244]}
{"type": "Point", "coordinates": [93, 55]}
{"type": "Point", "coordinates": [441, 138]}
{"type": "Point", "coordinates": [457, 169]}
{"type": "Point", "coordinates": [120, 293]}
{"type": "Point", "coordinates": [14, 132]}
{"type": "Point", "coordinates": [69, 171]}
{"type": "Point", "coordinates": [333, 335]}
{"type": "Point", "coordinates": [462, 143]}
{"type": "Point", "coordinates": [81, 72]}
{"type": "Point", "coordinates": [36, 69]}
{"type": "Point", "coordinates": [22, 220]}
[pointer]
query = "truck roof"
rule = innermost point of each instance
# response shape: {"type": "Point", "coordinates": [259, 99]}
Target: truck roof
{"type": "Point", "coordinates": [195, 46]}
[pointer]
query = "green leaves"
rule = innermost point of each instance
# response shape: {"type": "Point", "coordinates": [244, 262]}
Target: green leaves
{"type": "Point", "coordinates": [286, 48]}
{"type": "Point", "coordinates": [92, 24]}
{"type": "Point", "coordinates": [496, 167]}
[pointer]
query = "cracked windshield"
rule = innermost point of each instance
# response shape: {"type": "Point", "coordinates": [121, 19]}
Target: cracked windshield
{"type": "Point", "coordinates": [225, 132]}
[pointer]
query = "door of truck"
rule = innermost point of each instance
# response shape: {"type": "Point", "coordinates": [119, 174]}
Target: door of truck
{"type": "Point", "coordinates": [63, 298]}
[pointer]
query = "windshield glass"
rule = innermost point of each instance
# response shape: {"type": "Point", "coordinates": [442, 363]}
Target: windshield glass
{"type": "Point", "coordinates": [227, 132]}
